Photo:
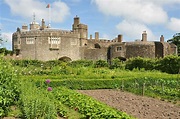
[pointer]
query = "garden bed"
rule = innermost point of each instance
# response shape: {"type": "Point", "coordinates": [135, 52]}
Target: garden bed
{"type": "Point", "coordinates": [140, 107]}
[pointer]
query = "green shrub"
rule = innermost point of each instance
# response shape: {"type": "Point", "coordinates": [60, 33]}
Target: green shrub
{"type": "Point", "coordinates": [81, 63]}
{"type": "Point", "coordinates": [169, 64]}
{"type": "Point", "coordinates": [139, 63]}
{"type": "Point", "coordinates": [25, 63]}
{"type": "Point", "coordinates": [100, 63]}
{"type": "Point", "coordinates": [9, 92]}
{"type": "Point", "coordinates": [116, 63]}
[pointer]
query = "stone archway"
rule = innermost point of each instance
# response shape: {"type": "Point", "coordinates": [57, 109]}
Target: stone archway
{"type": "Point", "coordinates": [97, 46]}
{"type": "Point", "coordinates": [65, 58]}
{"type": "Point", "coordinates": [121, 58]}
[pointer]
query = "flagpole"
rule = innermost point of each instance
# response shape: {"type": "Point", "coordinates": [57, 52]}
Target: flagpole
{"type": "Point", "coordinates": [49, 16]}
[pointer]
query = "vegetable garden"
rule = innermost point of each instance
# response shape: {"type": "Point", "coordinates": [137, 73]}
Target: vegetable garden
{"type": "Point", "coordinates": [48, 89]}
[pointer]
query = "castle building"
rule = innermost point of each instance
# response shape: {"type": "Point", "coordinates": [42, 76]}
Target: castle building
{"type": "Point", "coordinates": [40, 42]}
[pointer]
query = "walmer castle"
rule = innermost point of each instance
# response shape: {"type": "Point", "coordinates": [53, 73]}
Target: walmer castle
{"type": "Point", "coordinates": [40, 42]}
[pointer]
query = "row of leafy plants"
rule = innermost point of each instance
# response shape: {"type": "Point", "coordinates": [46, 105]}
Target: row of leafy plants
{"type": "Point", "coordinates": [43, 101]}
{"type": "Point", "coordinates": [168, 64]}
{"type": "Point", "coordinates": [33, 101]}
{"type": "Point", "coordinates": [163, 88]}
{"type": "Point", "coordinates": [90, 108]}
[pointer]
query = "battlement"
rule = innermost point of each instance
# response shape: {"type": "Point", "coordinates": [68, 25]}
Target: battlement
{"type": "Point", "coordinates": [41, 42]}
{"type": "Point", "coordinates": [46, 32]}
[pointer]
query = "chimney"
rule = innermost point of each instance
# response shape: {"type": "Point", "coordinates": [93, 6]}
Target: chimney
{"type": "Point", "coordinates": [43, 24]}
{"type": "Point", "coordinates": [90, 37]}
{"type": "Point", "coordinates": [96, 35]}
{"type": "Point", "coordinates": [162, 38]}
{"type": "Point", "coordinates": [144, 36]}
{"type": "Point", "coordinates": [120, 37]}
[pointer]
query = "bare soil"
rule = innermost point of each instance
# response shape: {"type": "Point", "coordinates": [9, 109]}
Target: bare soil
{"type": "Point", "coordinates": [140, 107]}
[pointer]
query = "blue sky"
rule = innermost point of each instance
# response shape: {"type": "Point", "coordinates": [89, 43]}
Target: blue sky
{"type": "Point", "coordinates": [109, 17]}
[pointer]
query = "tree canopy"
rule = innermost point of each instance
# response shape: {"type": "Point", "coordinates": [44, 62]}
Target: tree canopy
{"type": "Point", "coordinates": [176, 40]}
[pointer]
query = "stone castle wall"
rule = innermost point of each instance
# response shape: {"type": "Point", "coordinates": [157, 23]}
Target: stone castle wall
{"type": "Point", "coordinates": [44, 43]}
{"type": "Point", "coordinates": [141, 49]}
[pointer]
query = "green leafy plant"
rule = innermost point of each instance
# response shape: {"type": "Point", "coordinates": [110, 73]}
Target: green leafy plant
{"type": "Point", "coordinates": [36, 102]}
{"type": "Point", "coordinates": [88, 106]}
{"type": "Point", "coordinates": [9, 92]}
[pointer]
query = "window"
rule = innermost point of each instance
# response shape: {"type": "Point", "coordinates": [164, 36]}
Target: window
{"type": "Point", "coordinates": [30, 40]}
{"type": "Point", "coordinates": [118, 49]}
{"type": "Point", "coordinates": [54, 40]}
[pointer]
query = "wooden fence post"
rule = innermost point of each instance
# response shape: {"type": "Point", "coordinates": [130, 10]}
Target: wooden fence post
{"type": "Point", "coordinates": [143, 89]}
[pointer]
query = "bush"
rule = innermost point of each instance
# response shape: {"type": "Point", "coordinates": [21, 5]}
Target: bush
{"type": "Point", "coordinates": [25, 63]}
{"type": "Point", "coordinates": [100, 63]}
{"type": "Point", "coordinates": [81, 63]}
{"type": "Point", "coordinates": [9, 93]}
{"type": "Point", "coordinates": [116, 63]}
{"type": "Point", "coordinates": [169, 64]}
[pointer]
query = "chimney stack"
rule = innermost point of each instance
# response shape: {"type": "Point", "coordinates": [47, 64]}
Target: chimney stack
{"type": "Point", "coordinates": [96, 35]}
{"type": "Point", "coordinates": [90, 37]}
{"type": "Point", "coordinates": [144, 36]}
{"type": "Point", "coordinates": [24, 27]}
{"type": "Point", "coordinates": [43, 24]}
{"type": "Point", "coordinates": [162, 38]}
{"type": "Point", "coordinates": [120, 38]}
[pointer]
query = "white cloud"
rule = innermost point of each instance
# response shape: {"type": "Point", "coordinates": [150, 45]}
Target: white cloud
{"type": "Point", "coordinates": [144, 11]}
{"type": "Point", "coordinates": [174, 24]}
{"type": "Point", "coordinates": [165, 2]}
{"type": "Point", "coordinates": [7, 40]}
{"type": "Point", "coordinates": [139, 15]}
{"type": "Point", "coordinates": [26, 8]}
{"type": "Point", "coordinates": [134, 30]}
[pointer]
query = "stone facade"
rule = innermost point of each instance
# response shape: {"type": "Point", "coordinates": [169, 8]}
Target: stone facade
{"type": "Point", "coordinates": [41, 42]}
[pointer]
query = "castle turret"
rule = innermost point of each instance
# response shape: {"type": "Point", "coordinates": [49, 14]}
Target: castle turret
{"type": "Point", "coordinates": [144, 36]}
{"type": "Point", "coordinates": [82, 29]}
{"type": "Point", "coordinates": [24, 27]}
{"type": "Point", "coordinates": [76, 23]}
{"type": "Point", "coordinates": [34, 25]}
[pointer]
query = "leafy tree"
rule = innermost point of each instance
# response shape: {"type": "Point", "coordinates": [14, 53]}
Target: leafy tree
{"type": "Point", "coordinates": [1, 41]}
{"type": "Point", "coordinates": [176, 41]}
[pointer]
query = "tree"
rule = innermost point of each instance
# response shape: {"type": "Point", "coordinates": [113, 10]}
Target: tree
{"type": "Point", "coordinates": [1, 41]}
{"type": "Point", "coordinates": [176, 40]}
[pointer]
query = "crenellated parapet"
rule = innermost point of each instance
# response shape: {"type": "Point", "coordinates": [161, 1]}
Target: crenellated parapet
{"type": "Point", "coordinates": [40, 42]}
